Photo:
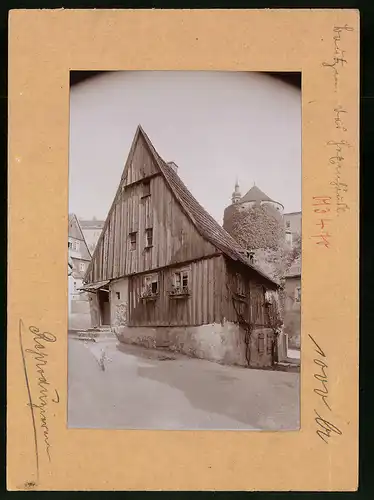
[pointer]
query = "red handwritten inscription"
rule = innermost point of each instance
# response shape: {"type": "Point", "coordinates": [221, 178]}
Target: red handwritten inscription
{"type": "Point", "coordinates": [321, 206]}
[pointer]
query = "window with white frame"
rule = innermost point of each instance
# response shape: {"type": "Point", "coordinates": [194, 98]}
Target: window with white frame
{"type": "Point", "coordinates": [82, 267]}
{"type": "Point", "coordinates": [289, 237]}
{"type": "Point", "coordinates": [180, 279]}
{"type": "Point", "coordinates": [298, 294]}
{"type": "Point", "coordinates": [150, 285]}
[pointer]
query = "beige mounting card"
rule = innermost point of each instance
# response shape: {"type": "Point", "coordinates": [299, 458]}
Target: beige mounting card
{"type": "Point", "coordinates": [44, 45]}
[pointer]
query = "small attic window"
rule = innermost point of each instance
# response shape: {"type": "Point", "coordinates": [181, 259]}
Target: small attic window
{"type": "Point", "coordinates": [132, 241]}
{"type": "Point", "coordinates": [146, 189]}
{"type": "Point", "coordinates": [149, 237]}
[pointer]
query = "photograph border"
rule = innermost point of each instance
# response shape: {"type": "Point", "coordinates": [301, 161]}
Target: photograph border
{"type": "Point", "coordinates": [43, 47]}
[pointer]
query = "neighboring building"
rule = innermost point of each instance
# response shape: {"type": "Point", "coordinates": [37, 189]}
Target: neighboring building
{"type": "Point", "coordinates": [292, 317]}
{"type": "Point", "coordinates": [91, 231]}
{"type": "Point", "coordinates": [292, 224]}
{"type": "Point", "coordinates": [165, 274]}
{"type": "Point", "coordinates": [272, 238]}
{"type": "Point", "coordinates": [79, 259]}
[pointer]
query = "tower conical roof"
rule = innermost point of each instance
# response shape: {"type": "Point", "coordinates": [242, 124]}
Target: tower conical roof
{"type": "Point", "coordinates": [255, 194]}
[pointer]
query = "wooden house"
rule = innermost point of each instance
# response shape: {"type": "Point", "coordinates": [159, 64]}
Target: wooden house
{"type": "Point", "coordinates": [165, 274]}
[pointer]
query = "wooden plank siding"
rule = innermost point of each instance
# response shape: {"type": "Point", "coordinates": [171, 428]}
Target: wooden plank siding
{"type": "Point", "coordinates": [141, 164]}
{"type": "Point", "coordinates": [248, 294]}
{"type": "Point", "coordinates": [203, 306]}
{"type": "Point", "coordinates": [175, 238]}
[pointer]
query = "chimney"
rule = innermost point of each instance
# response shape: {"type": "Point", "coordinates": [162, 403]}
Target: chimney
{"type": "Point", "coordinates": [173, 166]}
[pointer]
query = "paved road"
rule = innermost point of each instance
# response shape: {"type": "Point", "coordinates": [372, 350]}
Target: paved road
{"type": "Point", "coordinates": [142, 388]}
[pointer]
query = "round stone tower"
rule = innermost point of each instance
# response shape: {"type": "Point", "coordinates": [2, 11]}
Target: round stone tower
{"type": "Point", "coordinates": [255, 220]}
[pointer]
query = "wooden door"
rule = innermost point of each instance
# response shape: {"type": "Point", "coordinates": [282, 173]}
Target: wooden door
{"type": "Point", "coordinates": [104, 307]}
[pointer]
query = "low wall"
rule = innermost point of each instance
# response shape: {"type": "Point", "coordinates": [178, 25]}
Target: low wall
{"type": "Point", "coordinates": [80, 306]}
{"type": "Point", "coordinates": [79, 321]}
{"type": "Point", "coordinates": [223, 343]}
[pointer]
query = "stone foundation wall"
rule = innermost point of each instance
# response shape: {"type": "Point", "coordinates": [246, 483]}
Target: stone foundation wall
{"type": "Point", "coordinates": [216, 342]}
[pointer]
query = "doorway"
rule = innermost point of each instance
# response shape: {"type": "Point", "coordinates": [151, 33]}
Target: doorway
{"type": "Point", "coordinates": [104, 306]}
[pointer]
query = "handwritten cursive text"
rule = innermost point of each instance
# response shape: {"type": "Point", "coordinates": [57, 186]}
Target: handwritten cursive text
{"type": "Point", "coordinates": [38, 354]}
{"type": "Point", "coordinates": [325, 428]}
{"type": "Point", "coordinates": [339, 187]}
{"type": "Point", "coordinates": [339, 58]}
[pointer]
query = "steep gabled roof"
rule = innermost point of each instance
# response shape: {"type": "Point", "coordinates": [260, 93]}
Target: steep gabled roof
{"type": "Point", "coordinates": [204, 223]}
{"type": "Point", "coordinates": [92, 224]}
{"type": "Point", "coordinates": [73, 218]}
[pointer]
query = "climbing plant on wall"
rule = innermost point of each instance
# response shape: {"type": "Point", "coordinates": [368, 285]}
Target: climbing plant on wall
{"type": "Point", "coordinates": [255, 227]}
{"type": "Point", "coordinates": [261, 231]}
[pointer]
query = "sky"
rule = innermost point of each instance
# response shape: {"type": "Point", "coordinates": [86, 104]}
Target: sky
{"type": "Point", "coordinates": [216, 126]}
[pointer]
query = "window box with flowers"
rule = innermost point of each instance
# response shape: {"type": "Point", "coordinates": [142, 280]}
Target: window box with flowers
{"type": "Point", "coordinates": [150, 290]}
{"type": "Point", "coordinates": [180, 288]}
{"type": "Point", "coordinates": [179, 293]}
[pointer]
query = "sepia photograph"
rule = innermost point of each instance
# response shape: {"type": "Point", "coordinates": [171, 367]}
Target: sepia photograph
{"type": "Point", "coordinates": [184, 250]}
